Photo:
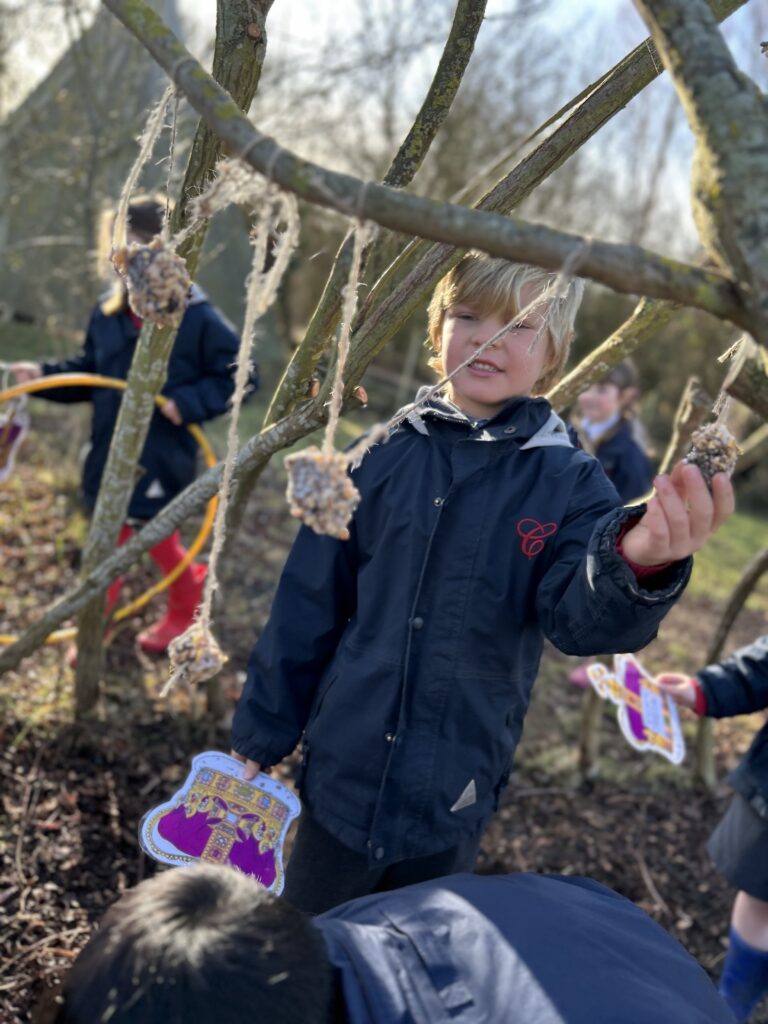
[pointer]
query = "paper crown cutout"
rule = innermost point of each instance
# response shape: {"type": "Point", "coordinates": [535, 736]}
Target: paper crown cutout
{"type": "Point", "coordinates": [218, 817]}
{"type": "Point", "coordinates": [647, 716]}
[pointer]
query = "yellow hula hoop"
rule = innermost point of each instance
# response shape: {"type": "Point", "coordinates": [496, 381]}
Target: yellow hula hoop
{"type": "Point", "coordinates": [95, 380]}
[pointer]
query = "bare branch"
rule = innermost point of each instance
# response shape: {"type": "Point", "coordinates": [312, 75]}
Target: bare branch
{"type": "Point", "coordinates": [747, 378]}
{"type": "Point", "coordinates": [753, 450]}
{"type": "Point", "coordinates": [624, 268]}
{"type": "Point", "coordinates": [437, 103]}
{"type": "Point", "coordinates": [728, 115]}
{"type": "Point", "coordinates": [647, 318]}
{"type": "Point", "coordinates": [693, 410]}
{"type": "Point", "coordinates": [594, 107]}
{"type": "Point", "coordinates": [256, 451]}
{"type": "Point", "coordinates": [445, 84]}
{"type": "Point", "coordinates": [238, 57]}
{"type": "Point", "coordinates": [235, 63]}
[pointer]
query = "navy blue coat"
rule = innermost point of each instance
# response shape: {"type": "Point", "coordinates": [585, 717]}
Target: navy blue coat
{"type": "Point", "coordinates": [528, 949]}
{"type": "Point", "coordinates": [625, 463]}
{"type": "Point", "coordinates": [199, 381]}
{"type": "Point", "coordinates": [739, 686]}
{"type": "Point", "coordinates": [406, 655]}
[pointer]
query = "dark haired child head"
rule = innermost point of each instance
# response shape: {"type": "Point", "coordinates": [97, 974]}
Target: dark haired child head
{"type": "Point", "coordinates": [614, 395]}
{"type": "Point", "coordinates": [203, 945]}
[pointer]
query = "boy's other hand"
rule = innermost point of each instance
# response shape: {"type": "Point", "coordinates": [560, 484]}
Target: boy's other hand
{"type": "Point", "coordinates": [170, 410]}
{"type": "Point", "coordinates": [681, 688]}
{"type": "Point", "coordinates": [24, 372]}
{"type": "Point", "coordinates": [252, 768]}
{"type": "Point", "coordinates": [681, 517]}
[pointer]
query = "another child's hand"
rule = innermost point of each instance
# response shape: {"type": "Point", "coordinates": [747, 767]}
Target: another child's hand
{"type": "Point", "coordinates": [252, 768]}
{"type": "Point", "coordinates": [681, 688]}
{"type": "Point", "coordinates": [681, 517]}
{"type": "Point", "coordinates": [170, 410]}
{"type": "Point", "coordinates": [24, 372]}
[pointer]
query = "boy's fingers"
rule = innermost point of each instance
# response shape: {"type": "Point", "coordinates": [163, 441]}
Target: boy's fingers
{"type": "Point", "coordinates": [701, 507]}
{"type": "Point", "coordinates": [675, 514]}
{"type": "Point", "coordinates": [677, 476]}
{"type": "Point", "coordinates": [723, 498]}
{"type": "Point", "coordinates": [655, 521]}
{"type": "Point", "coordinates": [671, 680]}
{"type": "Point", "coordinates": [252, 768]}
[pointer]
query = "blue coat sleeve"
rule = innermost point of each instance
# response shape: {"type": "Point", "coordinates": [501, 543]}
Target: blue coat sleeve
{"type": "Point", "coordinates": [590, 601]}
{"type": "Point", "coordinates": [84, 362]}
{"type": "Point", "coordinates": [315, 600]}
{"type": "Point", "coordinates": [209, 396]}
{"type": "Point", "coordinates": [738, 685]}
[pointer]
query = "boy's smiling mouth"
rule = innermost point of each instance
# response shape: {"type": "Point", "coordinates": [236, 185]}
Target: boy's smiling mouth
{"type": "Point", "coordinates": [481, 366]}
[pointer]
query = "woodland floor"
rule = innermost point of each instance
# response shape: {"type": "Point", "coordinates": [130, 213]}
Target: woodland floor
{"type": "Point", "coordinates": [72, 798]}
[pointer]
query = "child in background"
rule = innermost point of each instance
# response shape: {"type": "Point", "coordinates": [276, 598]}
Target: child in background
{"type": "Point", "coordinates": [405, 656]}
{"type": "Point", "coordinates": [198, 387]}
{"type": "Point", "coordinates": [605, 429]}
{"type": "Point", "coordinates": [739, 844]}
{"type": "Point", "coordinates": [209, 945]}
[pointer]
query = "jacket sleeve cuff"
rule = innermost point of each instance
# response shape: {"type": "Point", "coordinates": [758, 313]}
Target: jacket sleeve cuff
{"type": "Point", "coordinates": [641, 571]}
{"type": "Point", "coordinates": [700, 707]}
{"type": "Point", "coordinates": [666, 583]}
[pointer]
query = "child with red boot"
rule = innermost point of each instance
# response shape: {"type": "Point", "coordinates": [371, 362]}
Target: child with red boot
{"type": "Point", "coordinates": [198, 387]}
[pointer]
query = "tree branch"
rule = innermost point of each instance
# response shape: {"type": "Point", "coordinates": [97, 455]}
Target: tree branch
{"type": "Point", "coordinates": [408, 159]}
{"type": "Point", "coordinates": [693, 410]}
{"type": "Point", "coordinates": [441, 94]}
{"type": "Point", "coordinates": [647, 318]}
{"type": "Point", "coordinates": [238, 58]}
{"type": "Point", "coordinates": [747, 377]}
{"type": "Point", "coordinates": [753, 450]}
{"type": "Point", "coordinates": [728, 116]}
{"type": "Point", "coordinates": [234, 62]}
{"type": "Point", "coordinates": [594, 107]}
{"type": "Point", "coordinates": [624, 268]}
{"type": "Point", "coordinates": [256, 451]}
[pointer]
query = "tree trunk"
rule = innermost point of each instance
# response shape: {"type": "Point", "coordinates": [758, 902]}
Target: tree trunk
{"type": "Point", "coordinates": [239, 67]}
{"type": "Point", "coordinates": [592, 707]}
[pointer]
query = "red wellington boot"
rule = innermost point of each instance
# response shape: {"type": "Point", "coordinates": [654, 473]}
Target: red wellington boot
{"type": "Point", "coordinates": [184, 596]}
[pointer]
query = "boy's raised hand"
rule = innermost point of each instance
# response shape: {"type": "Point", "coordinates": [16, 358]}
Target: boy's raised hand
{"type": "Point", "coordinates": [681, 517]}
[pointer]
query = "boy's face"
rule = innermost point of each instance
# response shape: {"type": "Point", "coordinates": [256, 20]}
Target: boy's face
{"type": "Point", "coordinates": [509, 367]}
{"type": "Point", "coordinates": [599, 402]}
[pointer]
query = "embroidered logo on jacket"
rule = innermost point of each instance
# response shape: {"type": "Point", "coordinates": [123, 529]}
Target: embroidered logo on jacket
{"type": "Point", "coordinates": [534, 534]}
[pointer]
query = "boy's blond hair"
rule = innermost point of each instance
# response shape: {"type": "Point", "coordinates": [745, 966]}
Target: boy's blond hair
{"type": "Point", "coordinates": [493, 287]}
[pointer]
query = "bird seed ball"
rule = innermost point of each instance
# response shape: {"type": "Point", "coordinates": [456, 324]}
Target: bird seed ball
{"type": "Point", "coordinates": [320, 491]}
{"type": "Point", "coordinates": [158, 281]}
{"type": "Point", "coordinates": [713, 450]}
{"type": "Point", "coordinates": [195, 655]}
